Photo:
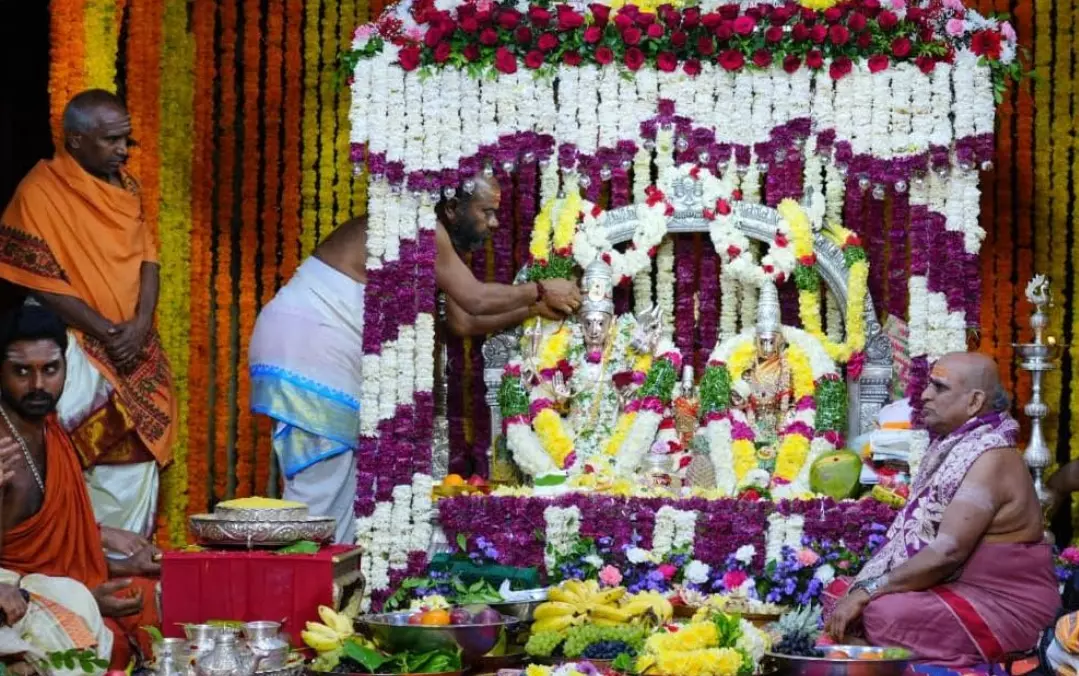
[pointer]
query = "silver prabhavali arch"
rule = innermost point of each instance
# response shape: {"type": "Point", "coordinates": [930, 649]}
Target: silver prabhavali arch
{"type": "Point", "coordinates": [866, 395]}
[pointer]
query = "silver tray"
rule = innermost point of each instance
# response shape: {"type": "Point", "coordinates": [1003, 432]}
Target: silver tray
{"type": "Point", "coordinates": [263, 514]}
{"type": "Point", "coordinates": [209, 529]}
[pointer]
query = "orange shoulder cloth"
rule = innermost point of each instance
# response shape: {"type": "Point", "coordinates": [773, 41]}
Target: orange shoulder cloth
{"type": "Point", "coordinates": [67, 232]}
{"type": "Point", "coordinates": [62, 539]}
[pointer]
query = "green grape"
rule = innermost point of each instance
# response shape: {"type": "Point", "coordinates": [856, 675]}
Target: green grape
{"type": "Point", "coordinates": [543, 644]}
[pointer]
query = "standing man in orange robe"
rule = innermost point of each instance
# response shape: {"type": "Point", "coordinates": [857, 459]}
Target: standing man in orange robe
{"type": "Point", "coordinates": [47, 520]}
{"type": "Point", "coordinates": [74, 237]}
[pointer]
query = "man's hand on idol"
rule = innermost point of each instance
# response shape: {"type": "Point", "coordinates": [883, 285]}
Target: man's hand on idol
{"type": "Point", "coordinates": [112, 605]}
{"type": "Point", "coordinates": [541, 309]}
{"type": "Point", "coordinates": [9, 458]}
{"type": "Point", "coordinates": [561, 295]}
{"type": "Point", "coordinates": [12, 604]}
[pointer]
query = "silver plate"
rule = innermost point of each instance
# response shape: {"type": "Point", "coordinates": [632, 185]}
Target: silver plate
{"type": "Point", "coordinates": [211, 530]}
{"type": "Point", "coordinates": [271, 514]}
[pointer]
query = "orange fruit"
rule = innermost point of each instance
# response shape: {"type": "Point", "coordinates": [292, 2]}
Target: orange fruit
{"type": "Point", "coordinates": [438, 618]}
{"type": "Point", "coordinates": [871, 656]}
{"type": "Point", "coordinates": [838, 655]}
{"type": "Point", "coordinates": [454, 480]}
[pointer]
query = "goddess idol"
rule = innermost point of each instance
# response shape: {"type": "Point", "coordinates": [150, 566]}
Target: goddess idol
{"type": "Point", "coordinates": [587, 394]}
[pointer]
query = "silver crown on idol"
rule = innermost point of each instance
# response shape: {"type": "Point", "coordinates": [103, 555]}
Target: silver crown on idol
{"type": "Point", "coordinates": [597, 285]}
{"type": "Point", "coordinates": [768, 313]}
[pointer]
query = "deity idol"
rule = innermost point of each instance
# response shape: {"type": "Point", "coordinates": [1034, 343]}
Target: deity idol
{"type": "Point", "coordinates": [765, 392]}
{"type": "Point", "coordinates": [584, 381]}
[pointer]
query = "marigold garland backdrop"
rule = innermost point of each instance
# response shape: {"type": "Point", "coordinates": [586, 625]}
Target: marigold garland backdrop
{"type": "Point", "coordinates": [243, 157]}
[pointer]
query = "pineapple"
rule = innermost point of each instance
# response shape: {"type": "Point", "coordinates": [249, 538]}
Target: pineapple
{"type": "Point", "coordinates": [798, 632]}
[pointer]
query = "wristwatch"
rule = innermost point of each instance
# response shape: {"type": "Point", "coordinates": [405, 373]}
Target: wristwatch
{"type": "Point", "coordinates": [870, 586]}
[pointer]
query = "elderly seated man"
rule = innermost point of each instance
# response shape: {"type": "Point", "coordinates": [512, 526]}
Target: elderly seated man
{"type": "Point", "coordinates": [965, 576]}
{"type": "Point", "coordinates": [48, 524]}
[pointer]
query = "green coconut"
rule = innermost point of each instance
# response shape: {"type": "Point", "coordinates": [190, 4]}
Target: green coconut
{"type": "Point", "coordinates": [836, 474]}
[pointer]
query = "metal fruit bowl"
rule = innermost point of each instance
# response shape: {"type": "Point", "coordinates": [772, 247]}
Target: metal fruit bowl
{"type": "Point", "coordinates": [393, 633]}
{"type": "Point", "coordinates": [212, 530]}
{"type": "Point", "coordinates": [522, 610]}
{"type": "Point", "coordinates": [863, 661]}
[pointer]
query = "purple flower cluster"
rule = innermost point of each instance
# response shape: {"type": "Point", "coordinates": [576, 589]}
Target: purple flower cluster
{"type": "Point", "coordinates": [514, 528]}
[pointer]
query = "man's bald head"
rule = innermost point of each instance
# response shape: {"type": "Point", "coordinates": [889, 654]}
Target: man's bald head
{"type": "Point", "coordinates": [97, 131]}
{"type": "Point", "coordinates": [962, 385]}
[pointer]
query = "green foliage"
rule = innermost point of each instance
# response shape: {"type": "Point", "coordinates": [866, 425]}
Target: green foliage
{"type": "Point", "coordinates": [580, 637]}
{"type": "Point", "coordinates": [557, 267]}
{"type": "Point", "coordinates": [512, 397]}
{"type": "Point", "coordinates": [376, 662]}
{"type": "Point", "coordinates": [852, 255]}
{"type": "Point", "coordinates": [806, 278]}
{"type": "Point", "coordinates": [715, 390]}
{"type": "Point", "coordinates": [86, 661]}
{"type": "Point", "coordinates": [301, 547]}
{"type": "Point", "coordinates": [660, 381]}
{"type": "Point", "coordinates": [831, 396]}
{"type": "Point", "coordinates": [544, 643]}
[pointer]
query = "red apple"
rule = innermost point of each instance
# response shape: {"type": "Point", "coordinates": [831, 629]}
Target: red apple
{"type": "Point", "coordinates": [415, 618]}
{"type": "Point", "coordinates": [476, 480]}
{"type": "Point", "coordinates": [460, 616]}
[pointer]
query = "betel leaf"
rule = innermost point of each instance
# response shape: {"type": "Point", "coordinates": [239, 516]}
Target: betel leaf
{"type": "Point", "coordinates": [301, 547]}
{"type": "Point", "coordinates": [550, 480]}
{"type": "Point", "coordinates": [462, 542]}
{"type": "Point", "coordinates": [370, 659]}
{"type": "Point", "coordinates": [155, 634]}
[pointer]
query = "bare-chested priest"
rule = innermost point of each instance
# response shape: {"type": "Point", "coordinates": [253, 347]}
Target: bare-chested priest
{"type": "Point", "coordinates": [965, 576]}
{"type": "Point", "coordinates": [48, 520]}
{"type": "Point", "coordinates": [308, 344]}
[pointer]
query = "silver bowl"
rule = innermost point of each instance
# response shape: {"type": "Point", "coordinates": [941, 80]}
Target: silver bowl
{"type": "Point", "coordinates": [825, 666]}
{"type": "Point", "coordinates": [522, 610]}
{"type": "Point", "coordinates": [209, 529]}
{"type": "Point", "coordinates": [261, 514]}
{"type": "Point", "coordinates": [393, 633]}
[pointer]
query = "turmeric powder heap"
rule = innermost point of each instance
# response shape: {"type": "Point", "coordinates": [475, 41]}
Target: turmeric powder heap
{"type": "Point", "coordinates": [260, 503]}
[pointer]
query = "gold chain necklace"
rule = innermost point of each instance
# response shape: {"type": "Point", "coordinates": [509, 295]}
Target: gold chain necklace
{"type": "Point", "coordinates": [25, 451]}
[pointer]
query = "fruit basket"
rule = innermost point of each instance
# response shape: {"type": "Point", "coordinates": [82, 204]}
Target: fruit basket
{"type": "Point", "coordinates": [841, 660]}
{"type": "Point", "coordinates": [393, 632]}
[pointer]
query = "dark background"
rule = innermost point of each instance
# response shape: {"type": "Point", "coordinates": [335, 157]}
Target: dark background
{"type": "Point", "coordinates": [24, 90]}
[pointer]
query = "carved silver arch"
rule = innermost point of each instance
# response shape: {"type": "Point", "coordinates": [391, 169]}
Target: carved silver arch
{"type": "Point", "coordinates": [866, 394]}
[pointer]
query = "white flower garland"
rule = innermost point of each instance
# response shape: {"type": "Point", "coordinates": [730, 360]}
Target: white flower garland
{"type": "Point", "coordinates": [563, 531]}
{"type": "Point", "coordinates": [591, 241]}
{"type": "Point", "coordinates": [674, 529]}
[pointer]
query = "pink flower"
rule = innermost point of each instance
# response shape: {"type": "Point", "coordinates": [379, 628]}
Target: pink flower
{"type": "Point", "coordinates": [365, 31]}
{"type": "Point", "coordinates": [1008, 31]}
{"type": "Point", "coordinates": [1071, 555]}
{"type": "Point", "coordinates": [954, 5]}
{"type": "Point", "coordinates": [808, 557]}
{"type": "Point", "coordinates": [899, 4]}
{"type": "Point", "coordinates": [733, 579]}
{"type": "Point", "coordinates": [955, 27]}
{"type": "Point", "coordinates": [667, 570]}
{"type": "Point", "coordinates": [610, 576]}
{"type": "Point", "coordinates": [842, 564]}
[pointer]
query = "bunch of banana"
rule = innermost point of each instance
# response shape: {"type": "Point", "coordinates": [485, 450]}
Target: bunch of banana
{"type": "Point", "coordinates": [572, 603]}
{"type": "Point", "coordinates": [646, 608]}
{"type": "Point", "coordinates": [329, 634]}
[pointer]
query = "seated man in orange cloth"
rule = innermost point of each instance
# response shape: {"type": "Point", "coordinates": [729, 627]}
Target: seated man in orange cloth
{"type": "Point", "coordinates": [74, 236]}
{"type": "Point", "coordinates": [47, 519]}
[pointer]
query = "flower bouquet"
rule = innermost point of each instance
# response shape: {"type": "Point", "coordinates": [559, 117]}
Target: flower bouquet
{"type": "Point", "coordinates": [716, 644]}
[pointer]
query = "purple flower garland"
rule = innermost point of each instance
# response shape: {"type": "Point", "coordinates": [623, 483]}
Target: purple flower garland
{"type": "Point", "coordinates": [684, 321]}
{"type": "Point", "coordinates": [898, 271]}
{"type": "Point", "coordinates": [708, 292]}
{"type": "Point", "coordinates": [514, 526]}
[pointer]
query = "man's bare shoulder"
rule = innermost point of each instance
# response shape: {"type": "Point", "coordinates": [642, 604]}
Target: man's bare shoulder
{"type": "Point", "coordinates": [996, 460]}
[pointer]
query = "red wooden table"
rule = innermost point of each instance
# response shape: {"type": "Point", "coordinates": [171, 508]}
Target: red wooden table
{"type": "Point", "coordinates": [248, 586]}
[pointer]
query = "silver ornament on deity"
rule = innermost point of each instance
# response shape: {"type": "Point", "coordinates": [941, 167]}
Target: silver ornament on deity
{"type": "Point", "coordinates": [901, 186]}
{"type": "Point", "coordinates": [605, 173]}
{"type": "Point", "coordinates": [863, 183]}
{"type": "Point", "coordinates": [878, 191]}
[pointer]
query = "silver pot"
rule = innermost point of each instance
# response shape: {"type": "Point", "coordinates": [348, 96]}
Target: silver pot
{"type": "Point", "coordinates": [265, 641]}
{"type": "Point", "coordinates": [228, 658]}
{"type": "Point", "coordinates": [201, 637]}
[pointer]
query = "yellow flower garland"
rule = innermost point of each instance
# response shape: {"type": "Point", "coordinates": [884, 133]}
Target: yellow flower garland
{"type": "Point", "coordinates": [745, 458]}
{"type": "Point", "coordinates": [102, 33]}
{"type": "Point", "coordinates": [540, 245]}
{"type": "Point", "coordinates": [309, 184]}
{"type": "Point", "coordinates": [792, 454]}
{"type": "Point", "coordinates": [566, 227]}
{"type": "Point", "coordinates": [643, 363]}
{"type": "Point", "coordinates": [801, 372]}
{"type": "Point", "coordinates": [809, 302]}
{"type": "Point", "coordinates": [174, 306]}
{"type": "Point", "coordinates": [555, 348]}
{"type": "Point", "coordinates": [621, 431]}
{"type": "Point", "coordinates": [553, 436]}
{"type": "Point", "coordinates": [328, 130]}
{"type": "Point", "coordinates": [740, 360]}
{"type": "Point", "coordinates": [693, 636]}
{"type": "Point", "coordinates": [345, 208]}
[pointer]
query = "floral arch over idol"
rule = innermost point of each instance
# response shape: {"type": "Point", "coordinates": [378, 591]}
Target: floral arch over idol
{"type": "Point", "coordinates": [595, 395]}
{"type": "Point", "coordinates": [885, 110]}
